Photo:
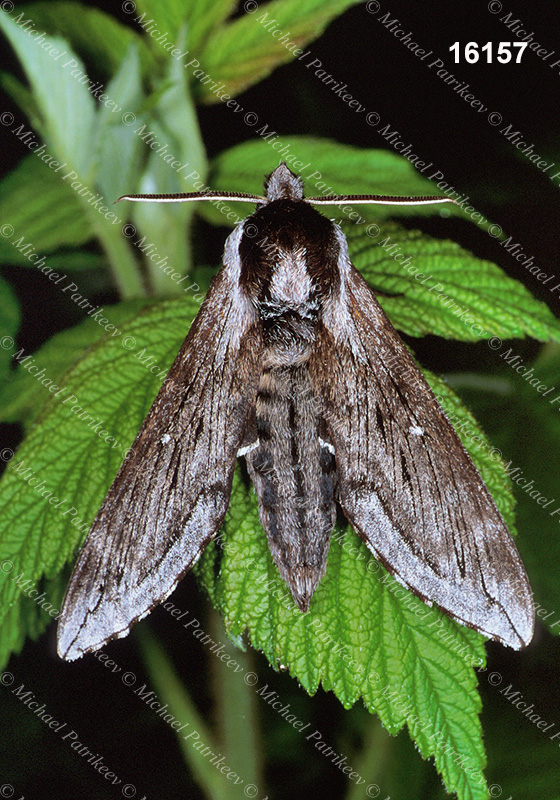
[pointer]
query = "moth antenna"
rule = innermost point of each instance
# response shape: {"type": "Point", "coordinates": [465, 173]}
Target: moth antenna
{"type": "Point", "coordinates": [185, 197]}
{"type": "Point", "coordinates": [380, 199]}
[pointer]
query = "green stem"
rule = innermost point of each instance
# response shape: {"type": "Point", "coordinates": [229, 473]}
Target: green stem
{"type": "Point", "coordinates": [124, 266]}
{"type": "Point", "coordinates": [170, 690]}
{"type": "Point", "coordinates": [372, 760]}
{"type": "Point", "coordinates": [178, 243]}
{"type": "Point", "coordinates": [176, 112]}
{"type": "Point", "coordinates": [237, 710]}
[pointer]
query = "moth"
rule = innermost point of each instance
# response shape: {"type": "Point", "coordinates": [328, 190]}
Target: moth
{"type": "Point", "coordinates": [290, 364]}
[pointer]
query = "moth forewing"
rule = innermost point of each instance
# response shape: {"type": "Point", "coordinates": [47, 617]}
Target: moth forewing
{"type": "Point", "coordinates": [171, 494]}
{"type": "Point", "coordinates": [288, 364]}
{"type": "Point", "coordinates": [406, 483]}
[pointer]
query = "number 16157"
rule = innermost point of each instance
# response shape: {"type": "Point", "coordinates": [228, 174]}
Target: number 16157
{"type": "Point", "coordinates": [503, 53]}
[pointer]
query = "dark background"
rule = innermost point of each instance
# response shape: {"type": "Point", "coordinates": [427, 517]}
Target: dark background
{"type": "Point", "coordinates": [477, 160]}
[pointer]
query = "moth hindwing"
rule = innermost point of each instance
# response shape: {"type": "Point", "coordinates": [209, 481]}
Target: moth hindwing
{"type": "Point", "coordinates": [290, 364]}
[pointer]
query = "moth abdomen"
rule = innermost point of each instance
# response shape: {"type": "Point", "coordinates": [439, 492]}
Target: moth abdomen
{"type": "Point", "coordinates": [294, 476]}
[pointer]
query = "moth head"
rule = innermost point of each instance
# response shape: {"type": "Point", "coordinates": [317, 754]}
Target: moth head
{"type": "Point", "coordinates": [282, 184]}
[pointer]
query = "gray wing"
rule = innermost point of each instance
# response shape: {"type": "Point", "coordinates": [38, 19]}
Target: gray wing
{"type": "Point", "coordinates": [406, 483]}
{"type": "Point", "coordinates": [170, 496]}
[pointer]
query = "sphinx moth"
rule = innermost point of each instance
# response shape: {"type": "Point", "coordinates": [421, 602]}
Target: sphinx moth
{"type": "Point", "coordinates": [288, 364]}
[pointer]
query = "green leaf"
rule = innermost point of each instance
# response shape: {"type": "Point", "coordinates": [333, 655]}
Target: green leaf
{"type": "Point", "coordinates": [326, 167]}
{"type": "Point", "coordinates": [203, 17]}
{"type": "Point", "coordinates": [118, 147]}
{"type": "Point", "coordinates": [23, 397]}
{"type": "Point", "coordinates": [167, 15]}
{"type": "Point", "coordinates": [442, 289]}
{"type": "Point", "coordinates": [21, 95]}
{"type": "Point", "coordinates": [200, 17]}
{"type": "Point", "coordinates": [68, 127]}
{"type": "Point", "coordinates": [409, 663]}
{"type": "Point", "coordinates": [99, 37]}
{"type": "Point", "coordinates": [42, 209]}
{"type": "Point", "coordinates": [246, 51]}
{"type": "Point", "coordinates": [361, 638]}
{"type": "Point", "coordinates": [66, 106]}
{"type": "Point", "coordinates": [10, 317]}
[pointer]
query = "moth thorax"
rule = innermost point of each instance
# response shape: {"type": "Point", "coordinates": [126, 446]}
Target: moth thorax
{"type": "Point", "coordinates": [289, 310]}
{"type": "Point", "coordinates": [290, 282]}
